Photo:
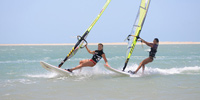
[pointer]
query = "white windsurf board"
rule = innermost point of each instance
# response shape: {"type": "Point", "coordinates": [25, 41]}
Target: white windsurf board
{"type": "Point", "coordinates": [118, 71]}
{"type": "Point", "coordinates": [55, 69]}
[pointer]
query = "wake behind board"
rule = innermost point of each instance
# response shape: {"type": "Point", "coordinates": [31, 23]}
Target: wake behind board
{"type": "Point", "coordinates": [55, 69]}
{"type": "Point", "coordinates": [118, 71]}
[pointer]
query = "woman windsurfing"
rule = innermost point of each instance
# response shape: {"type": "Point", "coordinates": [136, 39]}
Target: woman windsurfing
{"type": "Point", "coordinates": [97, 55]}
{"type": "Point", "coordinates": [152, 54]}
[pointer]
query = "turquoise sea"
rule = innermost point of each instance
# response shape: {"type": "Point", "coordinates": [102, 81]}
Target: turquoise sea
{"type": "Point", "coordinates": [173, 75]}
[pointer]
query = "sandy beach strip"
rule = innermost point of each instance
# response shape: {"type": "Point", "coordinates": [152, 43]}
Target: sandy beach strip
{"type": "Point", "coordinates": [122, 43]}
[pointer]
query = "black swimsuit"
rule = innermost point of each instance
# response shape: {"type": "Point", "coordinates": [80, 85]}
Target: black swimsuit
{"type": "Point", "coordinates": [97, 55]}
{"type": "Point", "coordinates": [153, 51]}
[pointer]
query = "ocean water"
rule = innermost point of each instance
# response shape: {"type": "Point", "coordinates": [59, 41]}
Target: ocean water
{"type": "Point", "coordinates": [173, 75]}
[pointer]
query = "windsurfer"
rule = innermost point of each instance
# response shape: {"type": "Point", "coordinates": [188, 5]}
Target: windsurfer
{"type": "Point", "coordinates": [152, 54]}
{"type": "Point", "coordinates": [97, 55]}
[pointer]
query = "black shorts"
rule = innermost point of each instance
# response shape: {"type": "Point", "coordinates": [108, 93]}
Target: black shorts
{"type": "Point", "coordinates": [151, 57]}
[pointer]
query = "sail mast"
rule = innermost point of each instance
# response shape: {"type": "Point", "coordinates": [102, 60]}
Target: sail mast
{"type": "Point", "coordinates": [82, 38]}
{"type": "Point", "coordinates": [137, 27]}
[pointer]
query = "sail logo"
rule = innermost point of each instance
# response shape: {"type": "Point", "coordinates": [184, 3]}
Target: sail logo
{"type": "Point", "coordinates": [132, 49]}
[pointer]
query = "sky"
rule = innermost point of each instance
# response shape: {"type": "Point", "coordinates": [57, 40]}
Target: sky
{"type": "Point", "coordinates": [60, 21]}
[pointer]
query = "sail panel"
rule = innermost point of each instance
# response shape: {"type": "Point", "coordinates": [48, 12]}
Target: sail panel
{"type": "Point", "coordinates": [137, 27]}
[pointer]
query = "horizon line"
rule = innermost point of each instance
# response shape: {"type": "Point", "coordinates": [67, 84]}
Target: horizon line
{"type": "Point", "coordinates": [114, 43]}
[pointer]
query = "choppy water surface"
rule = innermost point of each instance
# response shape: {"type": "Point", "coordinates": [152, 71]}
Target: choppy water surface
{"type": "Point", "coordinates": [174, 74]}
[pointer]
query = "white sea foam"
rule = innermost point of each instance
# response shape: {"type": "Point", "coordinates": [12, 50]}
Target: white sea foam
{"type": "Point", "coordinates": [116, 58]}
{"type": "Point", "coordinates": [7, 94]}
{"type": "Point", "coordinates": [47, 50]}
{"type": "Point", "coordinates": [20, 61]}
{"type": "Point", "coordinates": [26, 81]}
{"type": "Point", "coordinates": [45, 75]}
{"type": "Point", "coordinates": [88, 72]}
{"type": "Point", "coordinates": [13, 82]}
{"type": "Point", "coordinates": [170, 71]}
{"type": "Point", "coordinates": [80, 74]}
{"type": "Point", "coordinates": [30, 61]}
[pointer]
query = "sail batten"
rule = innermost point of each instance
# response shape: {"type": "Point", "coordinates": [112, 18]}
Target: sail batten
{"type": "Point", "coordinates": [137, 27]}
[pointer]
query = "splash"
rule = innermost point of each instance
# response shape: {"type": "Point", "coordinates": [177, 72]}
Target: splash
{"type": "Point", "coordinates": [171, 71]}
{"type": "Point", "coordinates": [91, 71]}
{"type": "Point", "coordinates": [84, 73]}
{"type": "Point", "coordinates": [99, 72]}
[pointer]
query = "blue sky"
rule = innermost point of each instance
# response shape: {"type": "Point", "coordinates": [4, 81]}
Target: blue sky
{"type": "Point", "coordinates": [60, 21]}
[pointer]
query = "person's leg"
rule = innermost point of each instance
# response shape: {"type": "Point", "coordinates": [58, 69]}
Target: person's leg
{"type": "Point", "coordinates": [143, 63]}
{"type": "Point", "coordinates": [84, 63]}
{"type": "Point", "coordinates": [147, 60]}
{"type": "Point", "coordinates": [143, 68]}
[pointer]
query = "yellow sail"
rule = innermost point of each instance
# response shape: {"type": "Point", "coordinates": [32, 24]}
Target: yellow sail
{"type": "Point", "coordinates": [81, 39]}
{"type": "Point", "coordinates": [137, 27]}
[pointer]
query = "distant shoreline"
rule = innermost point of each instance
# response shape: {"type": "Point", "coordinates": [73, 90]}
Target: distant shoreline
{"type": "Point", "coordinates": [122, 43]}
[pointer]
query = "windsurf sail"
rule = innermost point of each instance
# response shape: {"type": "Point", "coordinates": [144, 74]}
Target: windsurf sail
{"type": "Point", "coordinates": [82, 39]}
{"type": "Point", "coordinates": [137, 27]}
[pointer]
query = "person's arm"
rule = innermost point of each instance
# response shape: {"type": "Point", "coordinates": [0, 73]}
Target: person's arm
{"type": "Point", "coordinates": [147, 43]}
{"type": "Point", "coordinates": [91, 52]}
{"type": "Point", "coordinates": [104, 57]}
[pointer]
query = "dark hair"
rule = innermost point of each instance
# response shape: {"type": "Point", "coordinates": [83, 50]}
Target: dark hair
{"type": "Point", "coordinates": [100, 44]}
{"type": "Point", "coordinates": [156, 40]}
